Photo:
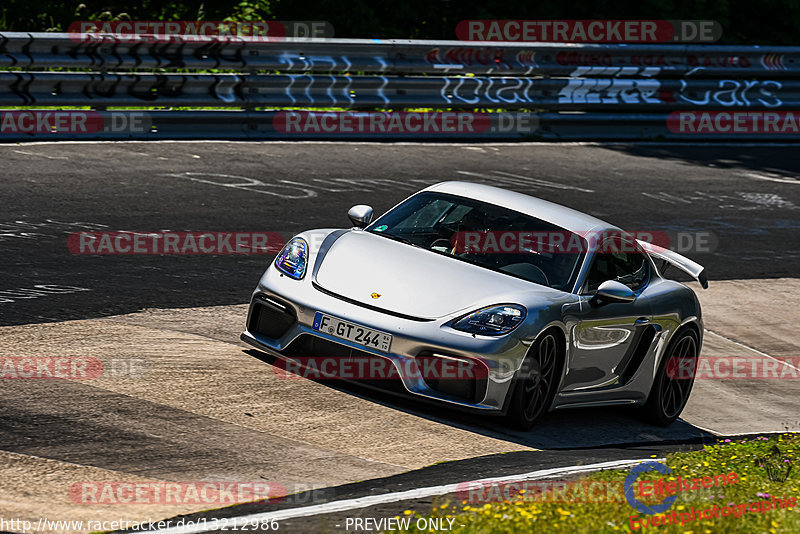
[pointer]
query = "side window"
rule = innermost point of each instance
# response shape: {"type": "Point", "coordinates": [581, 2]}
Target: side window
{"type": "Point", "coordinates": [620, 261]}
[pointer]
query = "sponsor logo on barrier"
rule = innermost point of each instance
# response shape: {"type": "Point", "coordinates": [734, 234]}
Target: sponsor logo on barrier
{"type": "Point", "coordinates": [615, 88]}
{"type": "Point", "coordinates": [175, 243]}
{"type": "Point", "coordinates": [773, 62]}
{"type": "Point", "coordinates": [200, 493]}
{"type": "Point", "coordinates": [734, 122]}
{"type": "Point", "coordinates": [73, 122]}
{"type": "Point", "coordinates": [403, 123]}
{"type": "Point", "coordinates": [459, 57]}
{"type": "Point", "coordinates": [590, 31]}
{"type": "Point", "coordinates": [733, 368]}
{"type": "Point", "coordinates": [730, 93]}
{"type": "Point", "coordinates": [165, 31]}
{"type": "Point", "coordinates": [690, 61]}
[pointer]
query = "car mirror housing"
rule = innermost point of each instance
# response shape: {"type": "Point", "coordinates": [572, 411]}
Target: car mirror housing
{"type": "Point", "coordinates": [615, 292]}
{"type": "Point", "coordinates": [360, 215]}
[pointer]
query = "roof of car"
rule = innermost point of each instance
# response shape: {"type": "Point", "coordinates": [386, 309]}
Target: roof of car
{"type": "Point", "coordinates": [562, 216]}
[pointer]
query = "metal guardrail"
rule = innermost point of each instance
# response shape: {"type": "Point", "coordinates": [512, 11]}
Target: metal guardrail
{"type": "Point", "coordinates": [576, 91]}
{"type": "Point", "coordinates": [62, 50]}
{"type": "Point", "coordinates": [637, 92]}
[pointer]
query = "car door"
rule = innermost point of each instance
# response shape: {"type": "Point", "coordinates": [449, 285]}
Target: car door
{"type": "Point", "coordinates": [606, 337]}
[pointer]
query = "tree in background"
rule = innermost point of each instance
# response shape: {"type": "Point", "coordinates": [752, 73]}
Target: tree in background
{"type": "Point", "coordinates": [743, 21]}
{"type": "Point", "coordinates": [55, 15]}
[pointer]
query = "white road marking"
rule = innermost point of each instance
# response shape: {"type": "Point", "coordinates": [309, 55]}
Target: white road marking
{"type": "Point", "coordinates": [39, 290]}
{"type": "Point", "coordinates": [763, 354]}
{"type": "Point", "coordinates": [307, 189]}
{"type": "Point", "coordinates": [773, 178]}
{"type": "Point", "coordinates": [546, 183]}
{"type": "Point", "coordinates": [372, 500]}
{"type": "Point", "coordinates": [666, 197]}
{"type": "Point", "coordinates": [770, 200]}
{"type": "Point", "coordinates": [40, 155]}
{"type": "Point", "coordinates": [244, 183]}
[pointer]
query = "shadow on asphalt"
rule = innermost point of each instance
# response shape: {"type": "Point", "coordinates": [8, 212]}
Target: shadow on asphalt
{"type": "Point", "coordinates": [565, 429]}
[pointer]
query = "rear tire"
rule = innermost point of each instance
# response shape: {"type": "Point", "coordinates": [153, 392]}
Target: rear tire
{"type": "Point", "coordinates": [536, 383]}
{"type": "Point", "coordinates": [670, 391]}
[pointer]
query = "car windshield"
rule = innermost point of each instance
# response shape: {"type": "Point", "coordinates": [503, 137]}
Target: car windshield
{"type": "Point", "coordinates": [486, 235]}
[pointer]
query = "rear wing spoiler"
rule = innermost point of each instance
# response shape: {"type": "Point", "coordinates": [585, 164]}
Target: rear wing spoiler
{"type": "Point", "coordinates": [693, 269]}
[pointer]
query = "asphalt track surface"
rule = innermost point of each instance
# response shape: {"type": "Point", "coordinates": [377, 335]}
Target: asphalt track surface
{"type": "Point", "coordinates": [748, 197]}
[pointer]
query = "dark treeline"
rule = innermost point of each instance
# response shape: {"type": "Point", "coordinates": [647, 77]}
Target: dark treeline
{"type": "Point", "coordinates": [743, 21]}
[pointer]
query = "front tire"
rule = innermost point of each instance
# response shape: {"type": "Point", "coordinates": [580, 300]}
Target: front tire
{"type": "Point", "coordinates": [536, 384]}
{"type": "Point", "coordinates": [671, 390]}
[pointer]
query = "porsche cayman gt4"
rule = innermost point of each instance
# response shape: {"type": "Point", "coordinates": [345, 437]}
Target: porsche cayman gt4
{"type": "Point", "coordinates": [487, 300]}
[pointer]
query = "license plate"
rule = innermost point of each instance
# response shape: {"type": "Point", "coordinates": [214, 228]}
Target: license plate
{"type": "Point", "coordinates": [352, 332]}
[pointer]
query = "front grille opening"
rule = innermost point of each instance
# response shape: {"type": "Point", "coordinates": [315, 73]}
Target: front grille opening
{"type": "Point", "coordinates": [271, 317]}
{"type": "Point", "coordinates": [356, 367]}
{"type": "Point", "coordinates": [456, 376]}
{"type": "Point", "coordinates": [308, 346]}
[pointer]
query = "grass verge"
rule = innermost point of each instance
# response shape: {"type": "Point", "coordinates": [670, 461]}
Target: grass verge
{"type": "Point", "coordinates": [746, 485]}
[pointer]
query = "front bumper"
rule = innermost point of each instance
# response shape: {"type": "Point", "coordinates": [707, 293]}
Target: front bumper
{"type": "Point", "coordinates": [289, 326]}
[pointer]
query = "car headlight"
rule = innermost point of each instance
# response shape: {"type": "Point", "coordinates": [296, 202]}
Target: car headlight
{"type": "Point", "coordinates": [293, 259]}
{"type": "Point", "coordinates": [493, 320]}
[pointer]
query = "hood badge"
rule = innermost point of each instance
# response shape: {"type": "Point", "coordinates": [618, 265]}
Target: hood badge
{"type": "Point", "coordinates": [375, 295]}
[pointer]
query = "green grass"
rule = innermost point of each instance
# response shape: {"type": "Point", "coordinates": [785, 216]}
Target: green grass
{"type": "Point", "coordinates": [531, 512]}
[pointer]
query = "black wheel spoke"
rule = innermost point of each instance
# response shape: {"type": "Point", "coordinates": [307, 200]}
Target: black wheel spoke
{"type": "Point", "coordinates": [541, 378]}
{"type": "Point", "coordinates": [675, 391]}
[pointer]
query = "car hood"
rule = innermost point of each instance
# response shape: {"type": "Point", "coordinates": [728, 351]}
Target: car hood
{"type": "Point", "coordinates": [400, 278]}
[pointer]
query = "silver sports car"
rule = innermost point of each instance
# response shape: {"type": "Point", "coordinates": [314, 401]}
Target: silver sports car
{"type": "Point", "coordinates": [486, 300]}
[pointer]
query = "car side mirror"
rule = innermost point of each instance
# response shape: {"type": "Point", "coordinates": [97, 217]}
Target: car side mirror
{"type": "Point", "coordinates": [360, 215]}
{"type": "Point", "coordinates": [615, 292]}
